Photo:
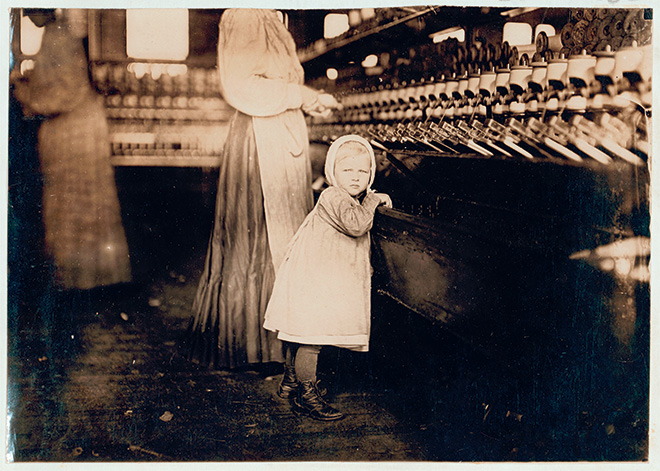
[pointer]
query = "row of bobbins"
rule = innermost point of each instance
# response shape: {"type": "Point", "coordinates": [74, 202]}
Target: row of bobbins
{"type": "Point", "coordinates": [580, 69]}
{"type": "Point", "coordinates": [594, 29]}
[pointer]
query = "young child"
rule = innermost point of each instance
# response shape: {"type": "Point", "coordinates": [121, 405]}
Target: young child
{"type": "Point", "coordinates": [322, 293]}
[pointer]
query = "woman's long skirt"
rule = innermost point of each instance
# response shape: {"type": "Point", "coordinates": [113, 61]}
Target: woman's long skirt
{"type": "Point", "coordinates": [84, 233]}
{"type": "Point", "coordinates": [228, 311]}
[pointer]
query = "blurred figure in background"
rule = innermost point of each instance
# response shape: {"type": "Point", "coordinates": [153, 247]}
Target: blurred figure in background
{"type": "Point", "coordinates": [264, 188]}
{"type": "Point", "coordinates": [84, 235]}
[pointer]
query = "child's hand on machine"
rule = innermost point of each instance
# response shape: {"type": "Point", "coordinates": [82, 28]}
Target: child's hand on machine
{"type": "Point", "coordinates": [385, 200]}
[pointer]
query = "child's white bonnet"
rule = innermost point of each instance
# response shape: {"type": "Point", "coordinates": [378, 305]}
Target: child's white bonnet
{"type": "Point", "coordinates": [333, 152]}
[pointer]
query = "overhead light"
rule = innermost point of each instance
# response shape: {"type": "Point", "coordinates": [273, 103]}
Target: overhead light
{"type": "Point", "coordinates": [354, 18]}
{"type": "Point", "coordinates": [518, 11]}
{"type": "Point", "coordinates": [370, 61]}
{"type": "Point", "coordinates": [367, 13]}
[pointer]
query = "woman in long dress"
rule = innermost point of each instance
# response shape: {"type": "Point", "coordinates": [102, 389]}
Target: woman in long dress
{"type": "Point", "coordinates": [84, 235]}
{"type": "Point", "coordinates": [84, 239]}
{"type": "Point", "coordinates": [264, 189]}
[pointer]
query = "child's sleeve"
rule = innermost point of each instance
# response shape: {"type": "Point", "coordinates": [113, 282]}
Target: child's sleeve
{"type": "Point", "coordinates": [346, 214]}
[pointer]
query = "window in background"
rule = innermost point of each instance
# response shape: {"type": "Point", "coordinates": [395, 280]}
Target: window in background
{"type": "Point", "coordinates": [31, 36]}
{"type": "Point", "coordinates": [517, 34]}
{"type": "Point", "coordinates": [334, 25]}
{"type": "Point", "coordinates": [284, 18]}
{"type": "Point", "coordinates": [157, 34]}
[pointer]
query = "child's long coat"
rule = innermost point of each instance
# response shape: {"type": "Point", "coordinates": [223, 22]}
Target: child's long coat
{"type": "Point", "coordinates": [322, 291]}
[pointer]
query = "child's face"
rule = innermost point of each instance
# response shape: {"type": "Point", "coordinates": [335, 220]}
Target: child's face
{"type": "Point", "coordinates": [353, 172]}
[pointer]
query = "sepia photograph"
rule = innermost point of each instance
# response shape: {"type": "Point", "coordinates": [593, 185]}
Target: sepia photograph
{"type": "Point", "coordinates": [282, 235]}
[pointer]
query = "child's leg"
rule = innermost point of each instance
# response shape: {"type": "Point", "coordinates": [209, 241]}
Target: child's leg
{"type": "Point", "coordinates": [289, 385]}
{"type": "Point", "coordinates": [306, 360]}
{"type": "Point", "coordinates": [290, 350]}
{"type": "Point", "coordinates": [309, 399]}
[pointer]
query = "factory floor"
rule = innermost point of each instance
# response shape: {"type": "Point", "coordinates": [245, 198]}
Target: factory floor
{"type": "Point", "coordinates": [115, 387]}
{"type": "Point", "coordinates": [110, 383]}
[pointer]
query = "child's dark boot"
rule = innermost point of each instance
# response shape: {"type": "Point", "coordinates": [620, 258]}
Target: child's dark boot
{"type": "Point", "coordinates": [289, 386]}
{"type": "Point", "coordinates": [310, 401]}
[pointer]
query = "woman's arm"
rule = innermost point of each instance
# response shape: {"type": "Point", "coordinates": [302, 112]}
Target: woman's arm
{"type": "Point", "coordinates": [247, 48]}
